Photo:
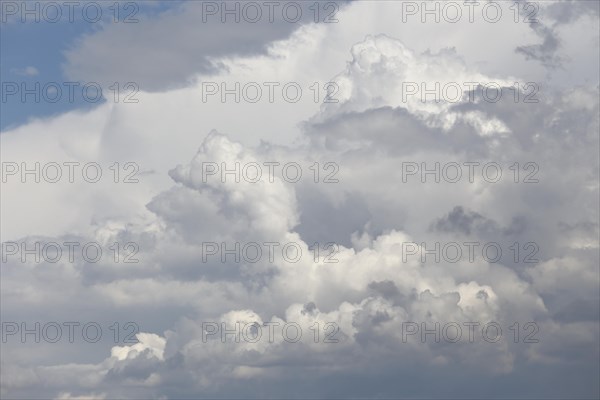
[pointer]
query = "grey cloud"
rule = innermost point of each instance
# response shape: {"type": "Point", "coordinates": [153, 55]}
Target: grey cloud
{"type": "Point", "coordinates": [166, 51]}
{"type": "Point", "coordinates": [386, 288]}
{"type": "Point", "coordinates": [460, 221]}
{"type": "Point", "coordinates": [552, 16]}
{"type": "Point", "coordinates": [371, 291]}
{"type": "Point", "coordinates": [544, 52]}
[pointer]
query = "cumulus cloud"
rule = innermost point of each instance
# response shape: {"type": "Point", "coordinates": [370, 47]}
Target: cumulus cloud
{"type": "Point", "coordinates": [354, 312]}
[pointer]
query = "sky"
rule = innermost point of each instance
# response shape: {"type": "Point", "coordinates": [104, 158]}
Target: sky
{"type": "Point", "coordinates": [362, 199]}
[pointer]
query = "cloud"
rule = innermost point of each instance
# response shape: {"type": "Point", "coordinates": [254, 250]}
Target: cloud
{"type": "Point", "coordinates": [92, 396]}
{"type": "Point", "coordinates": [558, 13]}
{"type": "Point", "coordinates": [367, 297]}
{"type": "Point", "coordinates": [27, 71]}
{"type": "Point", "coordinates": [196, 39]}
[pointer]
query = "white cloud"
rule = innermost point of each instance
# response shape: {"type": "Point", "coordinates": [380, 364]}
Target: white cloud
{"type": "Point", "coordinates": [27, 71]}
{"type": "Point", "coordinates": [371, 291]}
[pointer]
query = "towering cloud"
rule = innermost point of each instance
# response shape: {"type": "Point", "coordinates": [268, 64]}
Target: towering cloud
{"type": "Point", "coordinates": [388, 307]}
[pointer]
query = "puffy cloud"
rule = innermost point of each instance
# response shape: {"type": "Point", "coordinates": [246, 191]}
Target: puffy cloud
{"type": "Point", "coordinates": [371, 294]}
{"type": "Point", "coordinates": [153, 344]}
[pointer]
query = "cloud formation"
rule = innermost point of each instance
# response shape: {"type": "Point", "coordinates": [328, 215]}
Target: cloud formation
{"type": "Point", "coordinates": [363, 316]}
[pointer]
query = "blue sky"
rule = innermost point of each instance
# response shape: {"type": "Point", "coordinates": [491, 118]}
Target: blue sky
{"type": "Point", "coordinates": [42, 46]}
